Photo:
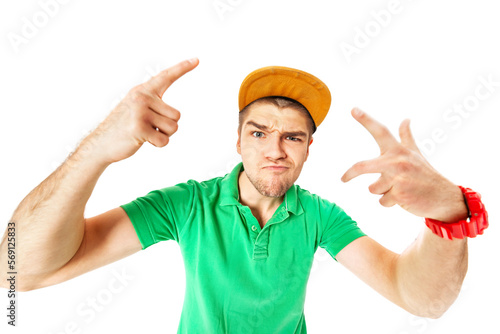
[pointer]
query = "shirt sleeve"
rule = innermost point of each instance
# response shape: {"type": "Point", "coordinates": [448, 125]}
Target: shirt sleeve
{"type": "Point", "coordinates": [339, 231]}
{"type": "Point", "coordinates": [161, 214]}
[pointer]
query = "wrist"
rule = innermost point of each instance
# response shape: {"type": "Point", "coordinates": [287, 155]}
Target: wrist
{"type": "Point", "coordinates": [475, 223]}
{"type": "Point", "coordinates": [456, 208]}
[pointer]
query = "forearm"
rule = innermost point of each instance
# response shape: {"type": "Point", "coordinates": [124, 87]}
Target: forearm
{"type": "Point", "coordinates": [50, 220]}
{"type": "Point", "coordinates": [429, 274]}
{"type": "Point", "coordinates": [50, 224]}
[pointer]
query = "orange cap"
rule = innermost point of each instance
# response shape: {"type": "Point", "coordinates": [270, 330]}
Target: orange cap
{"type": "Point", "coordinates": [301, 86]}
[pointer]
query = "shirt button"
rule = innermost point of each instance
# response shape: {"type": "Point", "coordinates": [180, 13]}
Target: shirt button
{"type": "Point", "coordinates": [254, 228]}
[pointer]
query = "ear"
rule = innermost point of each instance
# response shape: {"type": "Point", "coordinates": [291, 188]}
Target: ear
{"type": "Point", "coordinates": [308, 145]}
{"type": "Point", "coordinates": [238, 143]}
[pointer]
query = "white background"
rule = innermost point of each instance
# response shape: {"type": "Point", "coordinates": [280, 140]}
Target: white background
{"type": "Point", "coordinates": [428, 56]}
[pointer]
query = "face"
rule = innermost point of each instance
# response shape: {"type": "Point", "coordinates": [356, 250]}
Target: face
{"type": "Point", "coordinates": [273, 144]}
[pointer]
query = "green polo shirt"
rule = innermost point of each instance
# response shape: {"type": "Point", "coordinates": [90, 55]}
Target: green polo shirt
{"type": "Point", "coordinates": [241, 278]}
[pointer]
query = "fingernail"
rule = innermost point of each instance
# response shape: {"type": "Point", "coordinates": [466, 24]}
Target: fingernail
{"type": "Point", "coordinates": [193, 60]}
{"type": "Point", "coordinates": [357, 112]}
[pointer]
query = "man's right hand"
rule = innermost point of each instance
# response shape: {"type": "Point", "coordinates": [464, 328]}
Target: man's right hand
{"type": "Point", "coordinates": [140, 117]}
{"type": "Point", "coordinates": [59, 242]}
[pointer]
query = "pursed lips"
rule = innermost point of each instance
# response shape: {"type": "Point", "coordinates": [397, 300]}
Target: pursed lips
{"type": "Point", "coordinates": [275, 168]}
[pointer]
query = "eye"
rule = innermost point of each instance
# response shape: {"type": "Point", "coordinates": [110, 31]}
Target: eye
{"type": "Point", "coordinates": [293, 138]}
{"type": "Point", "coordinates": [258, 134]}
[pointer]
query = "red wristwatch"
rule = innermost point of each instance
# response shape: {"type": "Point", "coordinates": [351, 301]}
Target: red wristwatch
{"type": "Point", "coordinates": [471, 227]}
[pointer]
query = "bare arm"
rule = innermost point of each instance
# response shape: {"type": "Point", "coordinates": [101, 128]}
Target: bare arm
{"type": "Point", "coordinates": [108, 237]}
{"type": "Point", "coordinates": [417, 280]}
{"type": "Point", "coordinates": [55, 241]}
{"type": "Point", "coordinates": [427, 277]}
{"type": "Point", "coordinates": [49, 221]}
{"type": "Point", "coordinates": [430, 273]}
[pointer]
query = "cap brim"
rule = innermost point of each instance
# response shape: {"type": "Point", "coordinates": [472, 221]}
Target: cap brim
{"type": "Point", "coordinates": [301, 86]}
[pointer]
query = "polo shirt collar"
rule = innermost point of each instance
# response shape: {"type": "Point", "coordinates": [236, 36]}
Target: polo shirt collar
{"type": "Point", "coordinates": [230, 194]}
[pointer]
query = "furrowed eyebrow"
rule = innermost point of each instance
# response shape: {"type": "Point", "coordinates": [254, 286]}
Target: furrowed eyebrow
{"type": "Point", "coordinates": [295, 134]}
{"type": "Point", "coordinates": [287, 134]}
{"type": "Point", "coordinates": [258, 126]}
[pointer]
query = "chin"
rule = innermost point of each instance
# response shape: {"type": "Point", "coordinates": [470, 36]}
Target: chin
{"type": "Point", "coordinates": [275, 193]}
{"type": "Point", "coordinates": [272, 188]}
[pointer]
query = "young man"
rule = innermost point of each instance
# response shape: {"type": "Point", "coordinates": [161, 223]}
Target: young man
{"type": "Point", "coordinates": [248, 238]}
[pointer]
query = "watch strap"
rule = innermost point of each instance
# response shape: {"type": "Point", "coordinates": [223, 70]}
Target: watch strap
{"type": "Point", "coordinates": [474, 225]}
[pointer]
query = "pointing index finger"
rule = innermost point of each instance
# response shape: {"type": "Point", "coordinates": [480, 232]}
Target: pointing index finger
{"type": "Point", "coordinates": [160, 82]}
{"type": "Point", "coordinates": [379, 132]}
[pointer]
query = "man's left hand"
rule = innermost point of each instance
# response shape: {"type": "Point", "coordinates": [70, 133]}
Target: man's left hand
{"type": "Point", "coordinates": [407, 179]}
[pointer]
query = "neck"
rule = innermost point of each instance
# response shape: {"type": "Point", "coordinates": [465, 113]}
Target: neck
{"type": "Point", "coordinates": [262, 207]}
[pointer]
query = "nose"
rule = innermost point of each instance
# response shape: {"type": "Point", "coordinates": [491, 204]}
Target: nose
{"type": "Point", "coordinates": [274, 149]}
